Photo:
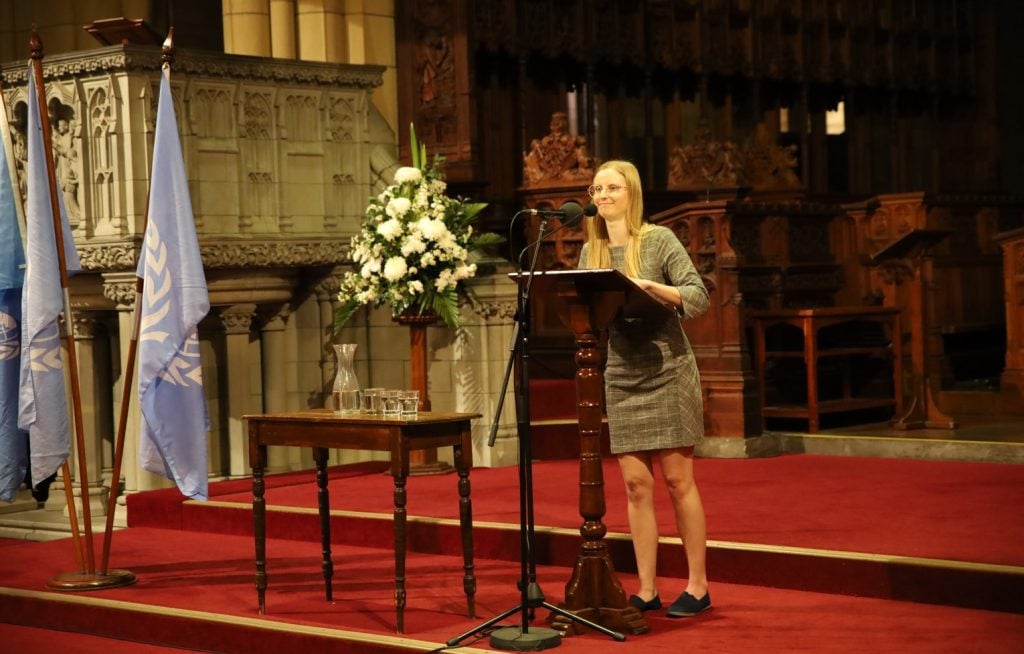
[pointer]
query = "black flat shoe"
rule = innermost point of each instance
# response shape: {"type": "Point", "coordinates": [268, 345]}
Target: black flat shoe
{"type": "Point", "coordinates": [639, 604]}
{"type": "Point", "coordinates": [687, 606]}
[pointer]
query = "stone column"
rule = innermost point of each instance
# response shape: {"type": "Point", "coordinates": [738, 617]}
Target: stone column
{"type": "Point", "coordinates": [327, 299]}
{"type": "Point", "coordinates": [370, 28]}
{"type": "Point", "coordinates": [237, 323]}
{"type": "Point", "coordinates": [275, 374]}
{"type": "Point", "coordinates": [92, 376]}
{"type": "Point", "coordinates": [120, 288]}
{"type": "Point", "coordinates": [247, 27]}
{"type": "Point", "coordinates": [282, 29]}
{"type": "Point", "coordinates": [323, 31]}
{"type": "Point", "coordinates": [479, 353]}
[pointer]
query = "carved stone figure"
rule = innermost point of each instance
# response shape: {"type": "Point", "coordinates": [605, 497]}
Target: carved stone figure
{"type": "Point", "coordinates": [66, 160]}
{"type": "Point", "coordinates": [557, 158]}
{"type": "Point", "coordinates": [20, 148]}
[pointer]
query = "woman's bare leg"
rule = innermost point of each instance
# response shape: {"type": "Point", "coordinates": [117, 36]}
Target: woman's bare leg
{"type": "Point", "coordinates": [643, 524]}
{"type": "Point", "coordinates": [677, 468]}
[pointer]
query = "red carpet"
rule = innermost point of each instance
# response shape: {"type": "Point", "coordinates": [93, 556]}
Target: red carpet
{"type": "Point", "coordinates": [932, 509]}
{"type": "Point", "coordinates": [196, 579]}
{"type": "Point", "coordinates": [213, 574]}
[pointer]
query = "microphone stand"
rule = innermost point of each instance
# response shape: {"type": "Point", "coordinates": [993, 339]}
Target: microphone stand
{"type": "Point", "coordinates": [524, 638]}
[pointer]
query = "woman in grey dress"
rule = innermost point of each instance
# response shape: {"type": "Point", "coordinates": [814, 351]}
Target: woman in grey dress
{"type": "Point", "coordinates": [652, 388]}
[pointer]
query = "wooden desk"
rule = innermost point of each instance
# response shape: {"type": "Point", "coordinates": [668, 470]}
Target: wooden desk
{"type": "Point", "coordinates": [322, 429]}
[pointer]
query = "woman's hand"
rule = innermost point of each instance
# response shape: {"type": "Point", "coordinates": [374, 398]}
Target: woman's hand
{"type": "Point", "coordinates": [661, 292]}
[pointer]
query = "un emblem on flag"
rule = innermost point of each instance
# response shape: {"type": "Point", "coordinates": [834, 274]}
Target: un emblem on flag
{"type": "Point", "coordinates": [10, 344]}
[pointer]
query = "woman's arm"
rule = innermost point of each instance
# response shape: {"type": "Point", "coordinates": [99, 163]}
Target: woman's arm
{"type": "Point", "coordinates": [664, 292]}
{"type": "Point", "coordinates": [685, 290]}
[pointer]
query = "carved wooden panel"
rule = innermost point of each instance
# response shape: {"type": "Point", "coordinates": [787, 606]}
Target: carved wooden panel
{"type": "Point", "coordinates": [1012, 380]}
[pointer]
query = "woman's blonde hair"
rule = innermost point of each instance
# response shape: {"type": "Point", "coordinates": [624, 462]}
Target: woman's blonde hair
{"type": "Point", "coordinates": [598, 255]}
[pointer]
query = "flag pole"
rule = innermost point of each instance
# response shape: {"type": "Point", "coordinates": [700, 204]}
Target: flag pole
{"type": "Point", "coordinates": [166, 58]}
{"type": "Point", "coordinates": [88, 579]}
{"type": "Point", "coordinates": [35, 47]}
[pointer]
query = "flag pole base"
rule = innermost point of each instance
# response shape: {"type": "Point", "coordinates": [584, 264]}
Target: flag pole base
{"type": "Point", "coordinates": [74, 581]}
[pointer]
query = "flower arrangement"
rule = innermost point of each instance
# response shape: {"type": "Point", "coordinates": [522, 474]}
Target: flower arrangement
{"type": "Point", "coordinates": [414, 245]}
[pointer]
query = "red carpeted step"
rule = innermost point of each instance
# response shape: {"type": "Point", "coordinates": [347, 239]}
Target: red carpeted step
{"type": "Point", "coordinates": [196, 590]}
{"type": "Point", "coordinates": [872, 527]}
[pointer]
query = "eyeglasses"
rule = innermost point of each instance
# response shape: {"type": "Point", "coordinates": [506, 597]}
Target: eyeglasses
{"type": "Point", "coordinates": [611, 189]}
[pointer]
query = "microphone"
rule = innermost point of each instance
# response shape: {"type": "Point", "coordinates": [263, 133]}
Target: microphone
{"type": "Point", "coordinates": [571, 214]}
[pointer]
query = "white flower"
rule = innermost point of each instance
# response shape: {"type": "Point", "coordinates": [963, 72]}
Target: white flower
{"type": "Point", "coordinates": [422, 199]}
{"type": "Point", "coordinates": [369, 295]}
{"type": "Point", "coordinates": [395, 268]}
{"type": "Point", "coordinates": [448, 244]}
{"type": "Point", "coordinates": [370, 268]}
{"type": "Point", "coordinates": [465, 272]}
{"type": "Point", "coordinates": [408, 174]}
{"type": "Point", "coordinates": [413, 244]}
{"type": "Point", "coordinates": [433, 230]}
{"type": "Point", "coordinates": [444, 280]}
{"type": "Point", "coordinates": [389, 229]}
{"type": "Point", "coordinates": [398, 207]}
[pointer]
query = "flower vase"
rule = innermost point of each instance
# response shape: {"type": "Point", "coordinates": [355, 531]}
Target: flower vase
{"type": "Point", "coordinates": [421, 462]}
{"type": "Point", "coordinates": [345, 379]}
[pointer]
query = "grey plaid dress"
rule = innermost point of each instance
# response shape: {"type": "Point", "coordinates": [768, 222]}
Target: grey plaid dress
{"type": "Point", "coordinates": [652, 387]}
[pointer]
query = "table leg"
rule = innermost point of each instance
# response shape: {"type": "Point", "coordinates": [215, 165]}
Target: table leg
{"type": "Point", "coordinates": [400, 515]}
{"type": "Point", "coordinates": [324, 505]}
{"type": "Point", "coordinates": [466, 525]}
{"type": "Point", "coordinates": [811, 357]}
{"type": "Point", "coordinates": [259, 514]}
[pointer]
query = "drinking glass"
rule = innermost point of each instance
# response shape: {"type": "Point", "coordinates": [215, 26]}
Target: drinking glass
{"type": "Point", "coordinates": [392, 403]}
{"type": "Point", "coordinates": [349, 402]}
{"type": "Point", "coordinates": [372, 402]}
{"type": "Point", "coordinates": [410, 403]}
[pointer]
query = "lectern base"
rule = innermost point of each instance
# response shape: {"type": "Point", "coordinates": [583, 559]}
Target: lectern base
{"type": "Point", "coordinates": [536, 639]}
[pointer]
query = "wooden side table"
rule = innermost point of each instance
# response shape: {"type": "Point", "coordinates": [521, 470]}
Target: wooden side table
{"type": "Point", "coordinates": [810, 322]}
{"type": "Point", "coordinates": [322, 429]}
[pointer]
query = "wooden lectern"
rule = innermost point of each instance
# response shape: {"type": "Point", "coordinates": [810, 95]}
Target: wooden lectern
{"type": "Point", "coordinates": [587, 301]}
{"type": "Point", "coordinates": [907, 259]}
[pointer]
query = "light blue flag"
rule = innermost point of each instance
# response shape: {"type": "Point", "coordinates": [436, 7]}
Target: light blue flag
{"type": "Point", "coordinates": [13, 441]}
{"type": "Point", "coordinates": [42, 403]}
{"type": "Point", "coordinates": [174, 300]}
